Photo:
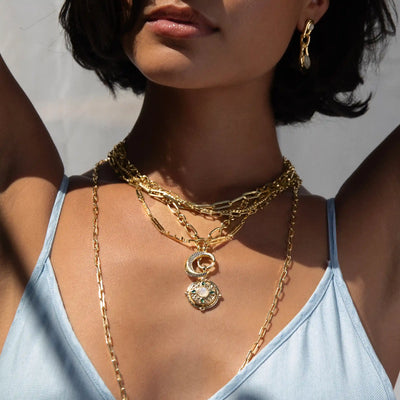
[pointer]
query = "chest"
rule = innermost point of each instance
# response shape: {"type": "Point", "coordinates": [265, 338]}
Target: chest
{"type": "Point", "coordinates": [160, 339]}
{"type": "Point", "coordinates": [166, 348]}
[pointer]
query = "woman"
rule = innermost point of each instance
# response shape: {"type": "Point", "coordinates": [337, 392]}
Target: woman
{"type": "Point", "coordinates": [217, 78]}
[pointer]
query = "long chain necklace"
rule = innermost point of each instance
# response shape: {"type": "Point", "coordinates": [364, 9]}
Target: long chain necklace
{"type": "Point", "coordinates": [203, 294]}
{"type": "Point", "coordinates": [102, 297]}
{"type": "Point", "coordinates": [100, 285]}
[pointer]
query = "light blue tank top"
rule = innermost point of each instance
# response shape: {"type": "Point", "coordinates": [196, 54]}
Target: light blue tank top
{"type": "Point", "coordinates": [322, 354]}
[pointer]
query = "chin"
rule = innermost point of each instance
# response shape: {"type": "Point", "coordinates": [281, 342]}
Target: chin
{"type": "Point", "coordinates": [172, 68]}
{"type": "Point", "coordinates": [187, 65]}
{"type": "Point", "coordinates": [177, 80]}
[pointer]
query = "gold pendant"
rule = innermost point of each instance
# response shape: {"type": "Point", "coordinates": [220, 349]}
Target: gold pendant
{"type": "Point", "coordinates": [203, 294]}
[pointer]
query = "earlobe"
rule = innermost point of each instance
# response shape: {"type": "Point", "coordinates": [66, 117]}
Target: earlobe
{"type": "Point", "coordinates": [313, 9]}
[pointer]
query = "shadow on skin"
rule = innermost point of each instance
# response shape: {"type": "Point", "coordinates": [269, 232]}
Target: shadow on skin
{"type": "Point", "coordinates": [57, 355]}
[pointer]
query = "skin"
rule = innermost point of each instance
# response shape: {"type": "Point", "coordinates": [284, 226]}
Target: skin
{"type": "Point", "coordinates": [205, 128]}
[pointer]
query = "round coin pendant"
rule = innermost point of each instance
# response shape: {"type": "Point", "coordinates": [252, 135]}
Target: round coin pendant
{"type": "Point", "coordinates": [203, 294]}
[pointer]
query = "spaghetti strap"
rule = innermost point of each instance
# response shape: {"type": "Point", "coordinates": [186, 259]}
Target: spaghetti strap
{"type": "Point", "coordinates": [53, 222]}
{"type": "Point", "coordinates": [331, 214]}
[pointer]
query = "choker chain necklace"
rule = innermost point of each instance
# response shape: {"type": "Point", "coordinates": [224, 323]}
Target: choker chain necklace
{"type": "Point", "coordinates": [203, 294]}
{"type": "Point", "coordinates": [255, 348]}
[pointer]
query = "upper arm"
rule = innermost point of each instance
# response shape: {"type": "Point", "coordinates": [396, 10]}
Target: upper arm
{"type": "Point", "coordinates": [30, 171]}
{"type": "Point", "coordinates": [26, 148]}
{"type": "Point", "coordinates": [368, 227]}
{"type": "Point", "coordinates": [368, 208]}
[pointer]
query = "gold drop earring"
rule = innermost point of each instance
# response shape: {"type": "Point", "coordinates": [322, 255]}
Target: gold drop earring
{"type": "Point", "coordinates": [305, 38]}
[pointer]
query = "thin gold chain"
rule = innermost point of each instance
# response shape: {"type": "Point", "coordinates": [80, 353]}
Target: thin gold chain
{"type": "Point", "coordinates": [100, 284]}
{"type": "Point", "coordinates": [255, 348]}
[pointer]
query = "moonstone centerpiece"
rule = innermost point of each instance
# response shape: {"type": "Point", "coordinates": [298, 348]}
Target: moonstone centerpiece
{"type": "Point", "coordinates": [203, 294]}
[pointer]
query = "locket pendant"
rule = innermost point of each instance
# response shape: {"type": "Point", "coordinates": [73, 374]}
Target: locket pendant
{"type": "Point", "coordinates": [202, 294]}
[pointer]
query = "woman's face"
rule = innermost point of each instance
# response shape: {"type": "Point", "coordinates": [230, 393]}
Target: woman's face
{"type": "Point", "coordinates": [212, 43]}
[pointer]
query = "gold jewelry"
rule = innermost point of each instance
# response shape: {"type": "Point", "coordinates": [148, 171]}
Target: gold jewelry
{"type": "Point", "coordinates": [203, 294]}
{"type": "Point", "coordinates": [100, 284]}
{"type": "Point", "coordinates": [119, 161]}
{"type": "Point", "coordinates": [266, 326]}
{"type": "Point", "coordinates": [102, 297]}
{"type": "Point", "coordinates": [305, 38]}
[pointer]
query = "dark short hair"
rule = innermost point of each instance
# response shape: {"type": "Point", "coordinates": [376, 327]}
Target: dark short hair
{"type": "Point", "coordinates": [348, 37]}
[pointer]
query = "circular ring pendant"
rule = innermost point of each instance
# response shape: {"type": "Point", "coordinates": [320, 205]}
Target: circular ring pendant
{"type": "Point", "coordinates": [204, 261]}
{"type": "Point", "coordinates": [203, 294]}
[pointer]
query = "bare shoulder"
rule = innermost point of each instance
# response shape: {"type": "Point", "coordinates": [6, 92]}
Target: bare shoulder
{"type": "Point", "coordinates": [368, 220]}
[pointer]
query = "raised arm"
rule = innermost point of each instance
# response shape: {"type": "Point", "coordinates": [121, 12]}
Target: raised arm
{"type": "Point", "coordinates": [26, 149]}
{"type": "Point", "coordinates": [30, 171]}
{"type": "Point", "coordinates": [371, 198]}
{"type": "Point", "coordinates": [368, 218]}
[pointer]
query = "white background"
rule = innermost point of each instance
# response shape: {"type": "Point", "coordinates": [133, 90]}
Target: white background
{"type": "Point", "coordinates": [85, 121]}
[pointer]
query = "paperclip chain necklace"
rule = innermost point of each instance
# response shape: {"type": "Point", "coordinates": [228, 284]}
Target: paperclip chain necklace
{"type": "Point", "coordinates": [249, 202]}
{"type": "Point", "coordinates": [102, 297]}
{"type": "Point", "coordinates": [100, 285]}
{"type": "Point", "coordinates": [202, 294]}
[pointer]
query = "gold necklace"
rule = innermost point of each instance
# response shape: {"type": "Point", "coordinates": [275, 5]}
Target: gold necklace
{"type": "Point", "coordinates": [102, 297]}
{"type": "Point", "coordinates": [203, 294]}
{"type": "Point", "coordinates": [248, 202]}
{"type": "Point", "coordinates": [100, 285]}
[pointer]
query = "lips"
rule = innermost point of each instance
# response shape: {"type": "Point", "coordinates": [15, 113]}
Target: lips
{"type": "Point", "coordinates": [179, 22]}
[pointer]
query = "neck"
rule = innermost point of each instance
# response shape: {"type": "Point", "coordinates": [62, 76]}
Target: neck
{"type": "Point", "coordinates": [207, 144]}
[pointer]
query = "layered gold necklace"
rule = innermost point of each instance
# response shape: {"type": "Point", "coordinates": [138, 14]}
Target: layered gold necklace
{"type": "Point", "coordinates": [203, 294]}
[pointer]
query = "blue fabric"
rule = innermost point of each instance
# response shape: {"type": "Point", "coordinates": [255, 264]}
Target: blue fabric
{"type": "Point", "coordinates": [42, 358]}
{"type": "Point", "coordinates": [322, 354]}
